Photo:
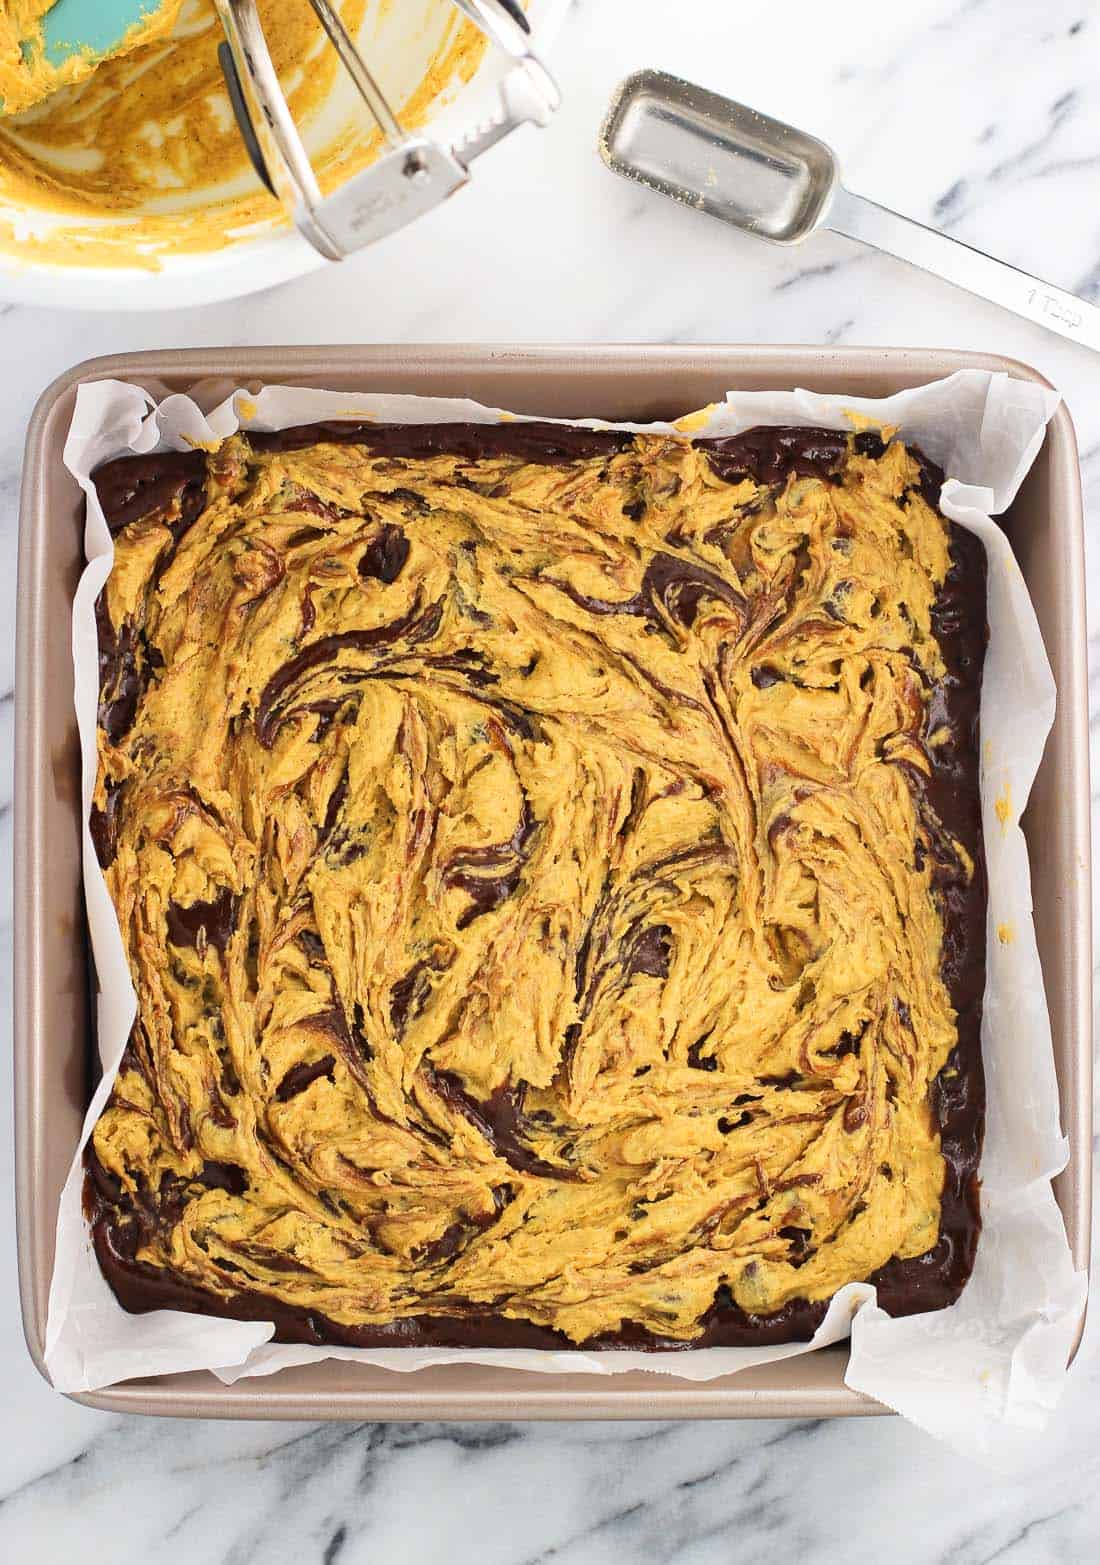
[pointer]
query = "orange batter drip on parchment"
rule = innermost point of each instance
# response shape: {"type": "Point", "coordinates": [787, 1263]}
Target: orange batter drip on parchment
{"type": "Point", "coordinates": [143, 159]}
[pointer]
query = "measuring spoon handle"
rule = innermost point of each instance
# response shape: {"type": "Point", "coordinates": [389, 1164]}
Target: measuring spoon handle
{"type": "Point", "coordinates": [958, 263]}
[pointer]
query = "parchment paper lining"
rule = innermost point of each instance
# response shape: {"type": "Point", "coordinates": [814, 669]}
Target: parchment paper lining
{"type": "Point", "coordinates": [983, 1375]}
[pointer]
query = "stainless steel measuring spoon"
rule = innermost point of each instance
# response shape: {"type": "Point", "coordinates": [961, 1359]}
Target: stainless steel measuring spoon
{"type": "Point", "coordinates": [780, 184]}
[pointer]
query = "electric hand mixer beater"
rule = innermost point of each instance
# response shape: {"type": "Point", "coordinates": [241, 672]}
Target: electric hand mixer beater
{"type": "Point", "coordinates": [415, 172]}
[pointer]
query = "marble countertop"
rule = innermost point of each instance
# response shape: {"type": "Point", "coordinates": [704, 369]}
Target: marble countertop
{"type": "Point", "coordinates": [981, 116]}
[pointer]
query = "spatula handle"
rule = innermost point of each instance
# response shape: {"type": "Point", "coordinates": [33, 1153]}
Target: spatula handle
{"type": "Point", "coordinates": [958, 263]}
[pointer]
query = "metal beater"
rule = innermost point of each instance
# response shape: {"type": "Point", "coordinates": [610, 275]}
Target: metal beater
{"type": "Point", "coordinates": [415, 173]}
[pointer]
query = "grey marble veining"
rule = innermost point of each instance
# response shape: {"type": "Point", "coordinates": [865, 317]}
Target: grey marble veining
{"type": "Point", "coordinates": [981, 115]}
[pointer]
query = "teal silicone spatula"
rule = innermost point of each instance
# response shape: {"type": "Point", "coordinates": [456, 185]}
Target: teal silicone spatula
{"type": "Point", "coordinates": [90, 30]}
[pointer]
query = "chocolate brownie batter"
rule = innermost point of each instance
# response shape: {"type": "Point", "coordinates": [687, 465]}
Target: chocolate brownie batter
{"type": "Point", "coordinates": [550, 867]}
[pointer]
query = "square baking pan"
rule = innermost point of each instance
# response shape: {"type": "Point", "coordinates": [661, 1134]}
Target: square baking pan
{"type": "Point", "coordinates": [53, 1024]}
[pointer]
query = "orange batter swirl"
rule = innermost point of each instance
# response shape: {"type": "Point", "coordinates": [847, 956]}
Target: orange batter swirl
{"type": "Point", "coordinates": [550, 872]}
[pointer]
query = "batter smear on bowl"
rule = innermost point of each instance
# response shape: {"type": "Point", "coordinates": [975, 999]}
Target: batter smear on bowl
{"type": "Point", "coordinates": [139, 160]}
{"type": "Point", "coordinates": [550, 867]}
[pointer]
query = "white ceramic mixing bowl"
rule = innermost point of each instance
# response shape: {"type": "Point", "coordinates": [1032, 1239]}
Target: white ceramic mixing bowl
{"type": "Point", "coordinates": [402, 40]}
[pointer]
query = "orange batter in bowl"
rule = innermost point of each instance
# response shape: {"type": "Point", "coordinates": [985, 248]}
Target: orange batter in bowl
{"type": "Point", "coordinates": [27, 77]}
{"type": "Point", "coordinates": [143, 158]}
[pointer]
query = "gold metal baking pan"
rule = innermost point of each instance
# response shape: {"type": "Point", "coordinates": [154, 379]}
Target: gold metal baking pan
{"type": "Point", "coordinates": [53, 1025]}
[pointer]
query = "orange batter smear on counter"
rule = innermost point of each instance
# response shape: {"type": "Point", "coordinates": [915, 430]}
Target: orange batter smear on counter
{"type": "Point", "coordinates": [151, 137]}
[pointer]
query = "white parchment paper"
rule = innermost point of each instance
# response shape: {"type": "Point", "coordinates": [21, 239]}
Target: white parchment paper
{"type": "Point", "coordinates": [983, 1375]}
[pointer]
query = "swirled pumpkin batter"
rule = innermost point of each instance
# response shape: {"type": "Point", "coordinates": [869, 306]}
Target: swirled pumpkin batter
{"type": "Point", "coordinates": [550, 868]}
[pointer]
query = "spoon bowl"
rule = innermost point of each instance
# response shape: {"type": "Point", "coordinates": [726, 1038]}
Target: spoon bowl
{"type": "Point", "coordinates": [719, 157]}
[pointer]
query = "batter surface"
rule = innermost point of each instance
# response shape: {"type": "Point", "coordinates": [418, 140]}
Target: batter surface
{"type": "Point", "coordinates": [549, 864]}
